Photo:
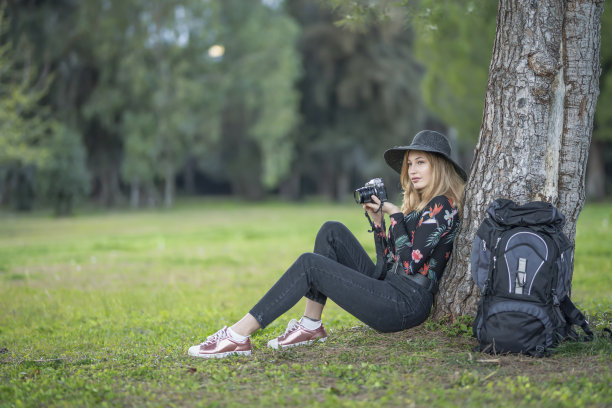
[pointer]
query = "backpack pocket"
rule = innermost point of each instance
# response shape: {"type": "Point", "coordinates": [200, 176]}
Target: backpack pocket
{"type": "Point", "coordinates": [479, 261]}
{"type": "Point", "coordinates": [526, 259]}
{"type": "Point", "coordinates": [515, 327]}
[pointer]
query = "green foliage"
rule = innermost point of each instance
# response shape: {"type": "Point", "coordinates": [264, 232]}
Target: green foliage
{"type": "Point", "coordinates": [100, 310]}
{"type": "Point", "coordinates": [23, 124]}
{"type": "Point", "coordinates": [362, 14]}
{"type": "Point", "coordinates": [455, 41]}
{"type": "Point", "coordinates": [135, 79]}
{"type": "Point", "coordinates": [358, 96]}
{"type": "Point", "coordinates": [460, 327]}
{"type": "Point", "coordinates": [603, 114]}
{"type": "Point", "coordinates": [64, 177]}
{"type": "Point", "coordinates": [259, 68]}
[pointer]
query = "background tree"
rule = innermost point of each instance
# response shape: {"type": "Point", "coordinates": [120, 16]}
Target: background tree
{"type": "Point", "coordinates": [24, 123]}
{"type": "Point", "coordinates": [359, 96]}
{"type": "Point", "coordinates": [63, 177]}
{"type": "Point", "coordinates": [600, 152]}
{"type": "Point", "coordinates": [259, 101]}
{"type": "Point", "coordinates": [455, 39]}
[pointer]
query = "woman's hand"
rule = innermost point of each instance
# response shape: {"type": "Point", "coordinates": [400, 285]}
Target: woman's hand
{"type": "Point", "coordinates": [372, 209]}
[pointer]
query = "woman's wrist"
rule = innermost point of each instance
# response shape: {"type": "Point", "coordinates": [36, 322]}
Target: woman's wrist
{"type": "Point", "coordinates": [390, 208]}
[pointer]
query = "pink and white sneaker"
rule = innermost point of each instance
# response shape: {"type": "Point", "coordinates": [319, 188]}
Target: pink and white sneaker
{"type": "Point", "coordinates": [220, 345]}
{"type": "Point", "coordinates": [297, 335]}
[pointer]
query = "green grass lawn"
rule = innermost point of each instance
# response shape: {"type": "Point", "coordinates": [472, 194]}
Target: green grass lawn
{"type": "Point", "coordinates": [100, 309]}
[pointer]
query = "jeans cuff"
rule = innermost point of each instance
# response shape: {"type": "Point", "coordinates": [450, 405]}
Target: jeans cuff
{"type": "Point", "coordinates": [319, 299]}
{"type": "Point", "coordinates": [259, 317]}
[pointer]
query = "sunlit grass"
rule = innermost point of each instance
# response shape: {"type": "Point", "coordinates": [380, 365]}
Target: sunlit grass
{"type": "Point", "coordinates": [101, 308]}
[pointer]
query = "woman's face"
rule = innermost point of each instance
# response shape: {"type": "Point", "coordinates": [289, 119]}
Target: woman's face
{"type": "Point", "coordinates": [419, 169]}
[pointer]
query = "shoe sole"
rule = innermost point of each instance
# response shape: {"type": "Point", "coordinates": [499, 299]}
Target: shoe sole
{"type": "Point", "coordinates": [302, 343]}
{"type": "Point", "coordinates": [222, 355]}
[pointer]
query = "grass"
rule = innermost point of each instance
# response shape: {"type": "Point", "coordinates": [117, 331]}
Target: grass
{"type": "Point", "coordinates": [100, 309]}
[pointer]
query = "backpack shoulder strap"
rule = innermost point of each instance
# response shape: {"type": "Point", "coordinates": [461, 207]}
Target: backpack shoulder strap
{"type": "Point", "coordinates": [575, 316]}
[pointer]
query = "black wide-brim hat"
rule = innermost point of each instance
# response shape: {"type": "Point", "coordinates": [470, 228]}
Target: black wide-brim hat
{"type": "Point", "coordinates": [426, 141]}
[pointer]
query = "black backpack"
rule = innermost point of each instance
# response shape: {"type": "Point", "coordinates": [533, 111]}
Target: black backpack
{"type": "Point", "coordinates": [521, 261]}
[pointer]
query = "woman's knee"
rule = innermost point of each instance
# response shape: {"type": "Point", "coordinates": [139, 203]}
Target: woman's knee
{"type": "Point", "coordinates": [307, 258]}
{"type": "Point", "coordinates": [329, 229]}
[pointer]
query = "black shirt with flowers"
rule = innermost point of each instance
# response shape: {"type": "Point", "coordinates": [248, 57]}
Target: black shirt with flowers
{"type": "Point", "coordinates": [421, 241]}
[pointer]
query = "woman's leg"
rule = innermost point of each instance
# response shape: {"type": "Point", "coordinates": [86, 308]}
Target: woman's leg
{"type": "Point", "coordinates": [336, 242]}
{"type": "Point", "coordinates": [374, 302]}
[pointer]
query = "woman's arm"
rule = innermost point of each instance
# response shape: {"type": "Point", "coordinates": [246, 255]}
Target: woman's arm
{"type": "Point", "coordinates": [380, 240]}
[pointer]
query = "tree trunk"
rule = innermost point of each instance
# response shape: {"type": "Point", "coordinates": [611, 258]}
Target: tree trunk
{"type": "Point", "coordinates": [343, 187]}
{"type": "Point", "coordinates": [135, 193]}
{"type": "Point", "coordinates": [169, 189]}
{"type": "Point", "coordinates": [189, 175]}
{"type": "Point", "coordinates": [289, 189]}
{"type": "Point", "coordinates": [537, 124]}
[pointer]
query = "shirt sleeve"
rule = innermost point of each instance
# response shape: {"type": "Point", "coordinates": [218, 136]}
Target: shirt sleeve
{"type": "Point", "coordinates": [414, 248]}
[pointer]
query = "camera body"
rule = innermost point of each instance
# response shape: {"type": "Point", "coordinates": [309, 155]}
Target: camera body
{"type": "Point", "coordinates": [374, 187]}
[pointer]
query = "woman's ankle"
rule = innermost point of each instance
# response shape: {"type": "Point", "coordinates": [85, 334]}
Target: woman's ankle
{"type": "Point", "coordinates": [237, 336]}
{"type": "Point", "coordinates": [246, 326]}
{"type": "Point", "coordinates": [310, 323]}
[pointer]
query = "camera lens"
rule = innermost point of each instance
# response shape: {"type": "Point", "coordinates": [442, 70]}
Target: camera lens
{"type": "Point", "coordinates": [363, 195]}
{"type": "Point", "coordinates": [357, 196]}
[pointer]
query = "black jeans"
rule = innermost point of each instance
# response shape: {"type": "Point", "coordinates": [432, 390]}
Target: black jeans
{"type": "Point", "coordinates": [341, 269]}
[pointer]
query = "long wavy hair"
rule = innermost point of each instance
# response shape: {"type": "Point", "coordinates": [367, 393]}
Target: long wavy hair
{"type": "Point", "coordinates": [444, 181]}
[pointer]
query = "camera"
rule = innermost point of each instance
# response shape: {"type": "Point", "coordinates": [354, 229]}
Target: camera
{"type": "Point", "coordinates": [374, 187]}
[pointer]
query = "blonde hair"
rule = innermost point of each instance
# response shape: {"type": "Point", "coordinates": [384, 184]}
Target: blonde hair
{"type": "Point", "coordinates": [444, 181]}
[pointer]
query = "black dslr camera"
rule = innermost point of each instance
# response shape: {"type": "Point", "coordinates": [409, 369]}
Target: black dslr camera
{"type": "Point", "coordinates": [374, 187]}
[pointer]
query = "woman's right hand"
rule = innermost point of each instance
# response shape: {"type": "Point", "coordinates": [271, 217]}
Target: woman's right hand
{"type": "Point", "coordinates": [372, 209]}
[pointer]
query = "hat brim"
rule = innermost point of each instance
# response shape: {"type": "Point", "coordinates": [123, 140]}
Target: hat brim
{"type": "Point", "coordinates": [395, 158]}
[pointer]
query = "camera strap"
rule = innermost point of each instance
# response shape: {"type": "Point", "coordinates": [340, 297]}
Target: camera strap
{"type": "Point", "coordinates": [382, 225]}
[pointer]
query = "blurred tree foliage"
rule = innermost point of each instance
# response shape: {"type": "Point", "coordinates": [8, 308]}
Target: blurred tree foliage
{"type": "Point", "coordinates": [455, 44]}
{"type": "Point", "coordinates": [454, 40]}
{"type": "Point", "coordinates": [260, 102]}
{"type": "Point", "coordinates": [63, 178]}
{"type": "Point", "coordinates": [136, 80]}
{"type": "Point", "coordinates": [301, 96]}
{"type": "Point", "coordinates": [360, 95]}
{"type": "Point", "coordinates": [600, 153]}
{"type": "Point", "coordinates": [24, 124]}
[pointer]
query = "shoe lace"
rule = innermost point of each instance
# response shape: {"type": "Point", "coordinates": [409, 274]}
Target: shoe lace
{"type": "Point", "coordinates": [221, 334]}
{"type": "Point", "coordinates": [293, 325]}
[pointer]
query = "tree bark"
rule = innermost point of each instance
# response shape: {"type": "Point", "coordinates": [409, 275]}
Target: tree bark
{"type": "Point", "coordinates": [537, 124]}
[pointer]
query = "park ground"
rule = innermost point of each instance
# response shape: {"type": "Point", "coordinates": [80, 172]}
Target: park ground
{"type": "Point", "coordinates": [100, 309]}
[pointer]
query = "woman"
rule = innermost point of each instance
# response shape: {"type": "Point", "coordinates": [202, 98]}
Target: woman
{"type": "Point", "coordinates": [394, 294]}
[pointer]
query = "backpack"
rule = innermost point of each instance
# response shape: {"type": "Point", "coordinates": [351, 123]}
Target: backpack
{"type": "Point", "coordinates": [522, 261]}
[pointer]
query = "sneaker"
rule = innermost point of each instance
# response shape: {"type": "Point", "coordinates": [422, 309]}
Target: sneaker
{"type": "Point", "coordinates": [297, 335]}
{"type": "Point", "coordinates": [221, 345]}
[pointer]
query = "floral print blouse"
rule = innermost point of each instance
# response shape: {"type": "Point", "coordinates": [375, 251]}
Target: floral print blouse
{"type": "Point", "coordinates": [421, 241]}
